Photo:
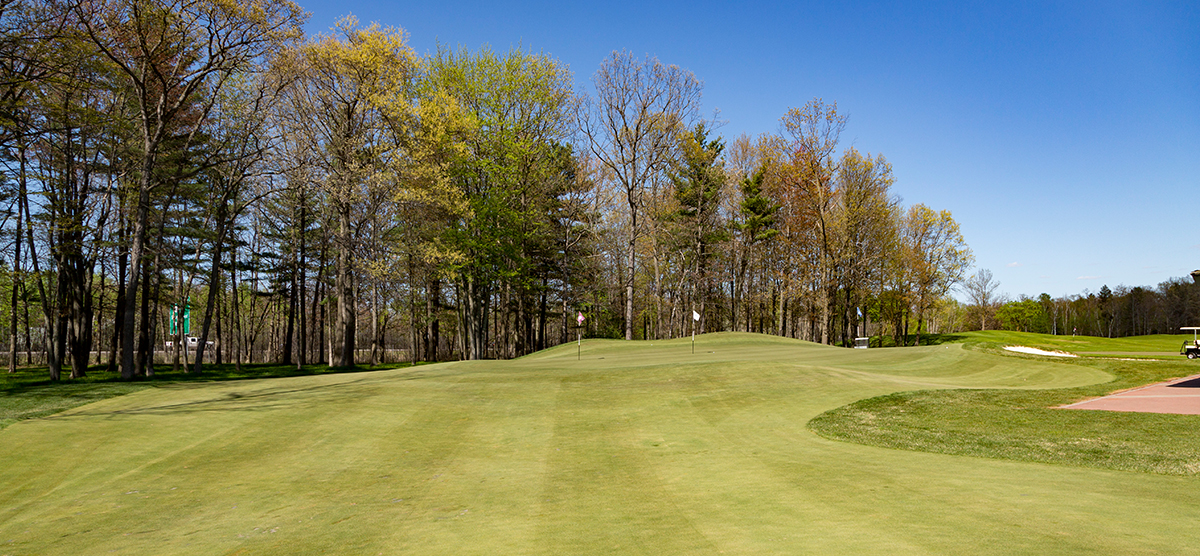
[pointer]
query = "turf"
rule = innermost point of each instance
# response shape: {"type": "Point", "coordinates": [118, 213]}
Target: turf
{"type": "Point", "coordinates": [1025, 424]}
{"type": "Point", "coordinates": [1162, 346]}
{"type": "Point", "coordinates": [28, 393]}
{"type": "Point", "coordinates": [638, 448]}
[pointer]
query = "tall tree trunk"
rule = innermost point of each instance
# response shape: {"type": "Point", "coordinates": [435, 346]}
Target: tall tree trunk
{"type": "Point", "coordinates": [180, 308]}
{"type": "Point", "coordinates": [740, 289]}
{"type": "Point", "coordinates": [629, 268]}
{"type": "Point", "coordinates": [25, 316]}
{"type": "Point", "coordinates": [145, 351]}
{"type": "Point", "coordinates": [375, 323]}
{"type": "Point", "coordinates": [136, 249]}
{"type": "Point", "coordinates": [16, 268]}
{"type": "Point", "coordinates": [290, 328]}
{"type": "Point", "coordinates": [81, 313]}
{"type": "Point", "coordinates": [303, 279]}
{"type": "Point", "coordinates": [432, 307]}
{"type": "Point", "coordinates": [222, 315]}
{"type": "Point", "coordinates": [214, 286]}
{"type": "Point", "coordinates": [542, 313]}
{"type": "Point", "coordinates": [412, 315]}
{"type": "Point", "coordinates": [235, 309]}
{"type": "Point", "coordinates": [319, 302]}
{"type": "Point", "coordinates": [119, 308]}
{"type": "Point", "coordinates": [51, 318]}
{"type": "Point", "coordinates": [345, 287]}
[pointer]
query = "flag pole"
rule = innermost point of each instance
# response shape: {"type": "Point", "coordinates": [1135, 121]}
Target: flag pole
{"type": "Point", "coordinates": [695, 319]}
{"type": "Point", "coordinates": [579, 336]}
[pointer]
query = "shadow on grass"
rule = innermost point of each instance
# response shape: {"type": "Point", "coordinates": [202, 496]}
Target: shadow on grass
{"type": "Point", "coordinates": [262, 400]}
{"type": "Point", "coordinates": [28, 393]}
{"type": "Point", "coordinates": [38, 377]}
{"type": "Point", "coordinates": [911, 340]}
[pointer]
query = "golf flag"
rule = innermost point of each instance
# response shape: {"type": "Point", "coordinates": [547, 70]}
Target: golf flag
{"type": "Point", "coordinates": [579, 335]}
{"type": "Point", "coordinates": [695, 319]}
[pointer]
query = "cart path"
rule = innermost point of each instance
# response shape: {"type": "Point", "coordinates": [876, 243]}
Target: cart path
{"type": "Point", "coordinates": [1180, 396]}
{"type": "Point", "coordinates": [1131, 353]}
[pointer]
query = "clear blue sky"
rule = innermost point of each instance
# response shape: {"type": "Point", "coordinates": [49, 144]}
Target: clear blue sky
{"type": "Point", "coordinates": [1064, 137]}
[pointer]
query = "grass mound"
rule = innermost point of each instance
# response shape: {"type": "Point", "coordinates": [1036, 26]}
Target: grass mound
{"type": "Point", "coordinates": [1024, 424]}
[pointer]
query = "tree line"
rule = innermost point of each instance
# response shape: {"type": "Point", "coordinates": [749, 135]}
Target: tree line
{"type": "Point", "coordinates": [342, 199]}
{"type": "Point", "coordinates": [1112, 313]}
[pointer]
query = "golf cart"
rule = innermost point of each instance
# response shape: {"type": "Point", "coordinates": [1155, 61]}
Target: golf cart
{"type": "Point", "coordinates": [1191, 349]}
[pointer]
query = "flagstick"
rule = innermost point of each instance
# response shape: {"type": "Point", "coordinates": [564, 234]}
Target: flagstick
{"type": "Point", "coordinates": [579, 335]}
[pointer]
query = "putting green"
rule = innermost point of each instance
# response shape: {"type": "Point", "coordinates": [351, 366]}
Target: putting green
{"type": "Point", "coordinates": [639, 448]}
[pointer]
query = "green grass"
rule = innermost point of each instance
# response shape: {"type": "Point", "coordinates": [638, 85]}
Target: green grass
{"type": "Point", "coordinates": [638, 448]}
{"type": "Point", "coordinates": [28, 392]}
{"type": "Point", "coordinates": [1024, 424]}
{"type": "Point", "coordinates": [1161, 345]}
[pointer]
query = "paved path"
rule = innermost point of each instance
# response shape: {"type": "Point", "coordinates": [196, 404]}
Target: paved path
{"type": "Point", "coordinates": [1172, 354]}
{"type": "Point", "coordinates": [1181, 396]}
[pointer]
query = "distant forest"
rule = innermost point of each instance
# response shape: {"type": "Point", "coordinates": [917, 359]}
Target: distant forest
{"type": "Point", "coordinates": [1124, 311]}
{"type": "Point", "coordinates": [201, 181]}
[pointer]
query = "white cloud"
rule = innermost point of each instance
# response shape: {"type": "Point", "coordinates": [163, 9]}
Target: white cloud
{"type": "Point", "coordinates": [1014, 264]}
{"type": "Point", "coordinates": [1088, 278]}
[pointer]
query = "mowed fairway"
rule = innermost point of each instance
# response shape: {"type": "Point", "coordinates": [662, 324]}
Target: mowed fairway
{"type": "Point", "coordinates": [640, 448]}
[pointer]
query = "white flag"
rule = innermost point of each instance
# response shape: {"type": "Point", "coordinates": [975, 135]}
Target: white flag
{"type": "Point", "coordinates": [695, 315]}
{"type": "Point", "coordinates": [579, 319]}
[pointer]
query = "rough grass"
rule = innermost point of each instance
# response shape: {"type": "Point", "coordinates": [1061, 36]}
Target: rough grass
{"type": "Point", "coordinates": [638, 448]}
{"type": "Point", "coordinates": [1024, 424]}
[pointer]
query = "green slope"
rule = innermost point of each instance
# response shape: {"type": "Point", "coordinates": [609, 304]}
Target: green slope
{"type": "Point", "coordinates": [639, 448]}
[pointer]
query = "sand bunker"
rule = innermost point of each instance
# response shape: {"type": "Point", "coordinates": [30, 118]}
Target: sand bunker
{"type": "Point", "coordinates": [1036, 351]}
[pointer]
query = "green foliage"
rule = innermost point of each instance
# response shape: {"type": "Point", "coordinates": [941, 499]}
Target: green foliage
{"type": "Point", "coordinates": [518, 177]}
{"type": "Point", "coordinates": [1026, 315]}
{"type": "Point", "coordinates": [758, 210]}
{"type": "Point", "coordinates": [697, 178]}
{"type": "Point", "coordinates": [514, 167]}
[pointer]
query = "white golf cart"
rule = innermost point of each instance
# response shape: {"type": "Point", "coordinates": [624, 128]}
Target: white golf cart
{"type": "Point", "coordinates": [1191, 349]}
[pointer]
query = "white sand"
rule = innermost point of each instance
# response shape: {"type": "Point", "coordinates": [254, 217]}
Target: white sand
{"type": "Point", "coordinates": [1036, 351]}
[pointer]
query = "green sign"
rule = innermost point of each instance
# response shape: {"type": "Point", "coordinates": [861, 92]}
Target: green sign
{"type": "Point", "coordinates": [187, 318]}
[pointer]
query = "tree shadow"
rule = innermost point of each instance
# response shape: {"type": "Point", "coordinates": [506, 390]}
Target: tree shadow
{"type": "Point", "coordinates": [887, 340]}
{"type": "Point", "coordinates": [260, 400]}
{"type": "Point", "coordinates": [1191, 383]}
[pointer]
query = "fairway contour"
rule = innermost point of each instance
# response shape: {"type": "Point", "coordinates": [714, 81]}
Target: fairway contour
{"type": "Point", "coordinates": [634, 448]}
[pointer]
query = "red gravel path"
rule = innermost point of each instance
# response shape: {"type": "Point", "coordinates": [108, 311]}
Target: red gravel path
{"type": "Point", "coordinates": [1181, 396]}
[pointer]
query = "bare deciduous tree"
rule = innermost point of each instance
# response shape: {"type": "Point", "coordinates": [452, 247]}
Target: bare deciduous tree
{"type": "Point", "coordinates": [631, 126]}
{"type": "Point", "coordinates": [981, 289]}
{"type": "Point", "coordinates": [169, 52]}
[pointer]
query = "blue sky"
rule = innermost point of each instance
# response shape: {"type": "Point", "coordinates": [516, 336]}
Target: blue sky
{"type": "Point", "coordinates": [1064, 137]}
